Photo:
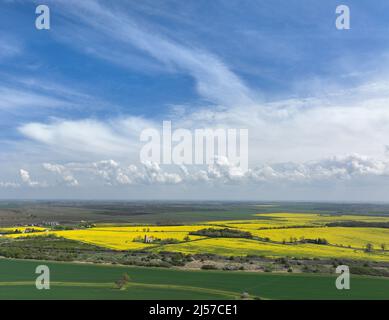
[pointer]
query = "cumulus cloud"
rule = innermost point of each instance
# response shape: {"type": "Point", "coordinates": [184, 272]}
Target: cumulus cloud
{"type": "Point", "coordinates": [66, 176]}
{"type": "Point", "coordinates": [26, 179]}
{"type": "Point", "coordinates": [222, 172]}
{"type": "Point", "coordinates": [329, 169]}
{"type": "Point", "coordinates": [149, 173]}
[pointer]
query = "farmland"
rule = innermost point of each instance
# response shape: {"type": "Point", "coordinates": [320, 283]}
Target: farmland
{"type": "Point", "coordinates": [239, 247]}
{"type": "Point", "coordinates": [215, 252]}
{"type": "Point", "coordinates": [354, 237]}
{"type": "Point", "coordinates": [273, 235]}
{"type": "Point", "coordinates": [122, 238]}
{"type": "Point", "coordinates": [166, 213]}
{"type": "Point", "coordinates": [288, 219]}
{"type": "Point", "coordinates": [81, 281]}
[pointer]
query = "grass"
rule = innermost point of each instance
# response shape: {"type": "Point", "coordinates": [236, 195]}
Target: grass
{"type": "Point", "coordinates": [85, 281]}
{"type": "Point", "coordinates": [106, 292]}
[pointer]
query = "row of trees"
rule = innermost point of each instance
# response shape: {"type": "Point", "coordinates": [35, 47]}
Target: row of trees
{"type": "Point", "coordinates": [222, 233]}
{"type": "Point", "coordinates": [369, 247]}
{"type": "Point", "coordinates": [304, 240]}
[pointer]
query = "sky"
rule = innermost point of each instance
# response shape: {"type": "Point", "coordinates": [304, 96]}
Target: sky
{"type": "Point", "coordinates": [74, 99]}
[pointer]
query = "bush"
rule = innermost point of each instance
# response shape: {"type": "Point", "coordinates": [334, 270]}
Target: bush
{"type": "Point", "coordinates": [268, 269]}
{"type": "Point", "coordinates": [208, 267]}
{"type": "Point", "coordinates": [317, 241]}
{"type": "Point", "coordinates": [168, 241]}
{"type": "Point", "coordinates": [244, 295]}
{"type": "Point", "coordinates": [369, 247]}
{"type": "Point", "coordinates": [369, 271]}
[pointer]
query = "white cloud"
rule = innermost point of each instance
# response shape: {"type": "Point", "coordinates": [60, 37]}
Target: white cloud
{"type": "Point", "coordinates": [23, 93]}
{"type": "Point", "coordinates": [113, 173]}
{"type": "Point", "coordinates": [118, 137]}
{"type": "Point", "coordinates": [332, 169]}
{"type": "Point", "coordinates": [346, 121]}
{"type": "Point", "coordinates": [26, 179]}
{"type": "Point", "coordinates": [329, 169]}
{"type": "Point", "coordinates": [9, 184]}
{"type": "Point", "coordinates": [288, 130]}
{"type": "Point", "coordinates": [11, 98]}
{"type": "Point", "coordinates": [66, 176]}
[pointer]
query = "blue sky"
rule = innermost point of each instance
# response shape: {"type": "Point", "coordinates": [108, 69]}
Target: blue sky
{"type": "Point", "coordinates": [74, 98]}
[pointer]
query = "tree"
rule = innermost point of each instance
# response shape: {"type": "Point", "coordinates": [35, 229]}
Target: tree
{"type": "Point", "coordinates": [244, 295]}
{"type": "Point", "coordinates": [383, 246]}
{"type": "Point", "coordinates": [126, 278]}
{"type": "Point", "coordinates": [369, 247]}
{"type": "Point", "coordinates": [122, 282]}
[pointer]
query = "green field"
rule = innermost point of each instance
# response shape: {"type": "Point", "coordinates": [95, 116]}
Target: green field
{"type": "Point", "coordinates": [87, 281]}
{"type": "Point", "coordinates": [281, 258]}
{"type": "Point", "coordinates": [164, 212]}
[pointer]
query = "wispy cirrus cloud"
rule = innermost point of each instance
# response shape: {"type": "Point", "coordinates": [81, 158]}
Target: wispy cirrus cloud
{"type": "Point", "coordinates": [32, 93]}
{"type": "Point", "coordinates": [214, 80]}
{"type": "Point", "coordinates": [12, 98]}
{"type": "Point", "coordinates": [9, 47]}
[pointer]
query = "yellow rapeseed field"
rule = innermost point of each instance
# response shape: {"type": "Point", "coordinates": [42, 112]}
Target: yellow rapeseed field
{"type": "Point", "coordinates": [21, 229]}
{"type": "Point", "coordinates": [354, 237]}
{"type": "Point", "coordinates": [143, 228]}
{"type": "Point", "coordinates": [275, 226]}
{"type": "Point", "coordinates": [239, 247]}
{"type": "Point", "coordinates": [282, 219]}
{"type": "Point", "coordinates": [116, 239]}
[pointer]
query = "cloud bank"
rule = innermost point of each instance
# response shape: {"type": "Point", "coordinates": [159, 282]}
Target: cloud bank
{"type": "Point", "coordinates": [112, 173]}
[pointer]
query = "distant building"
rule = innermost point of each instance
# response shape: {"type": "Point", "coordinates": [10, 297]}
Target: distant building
{"type": "Point", "coordinates": [50, 223]}
{"type": "Point", "coordinates": [148, 239]}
